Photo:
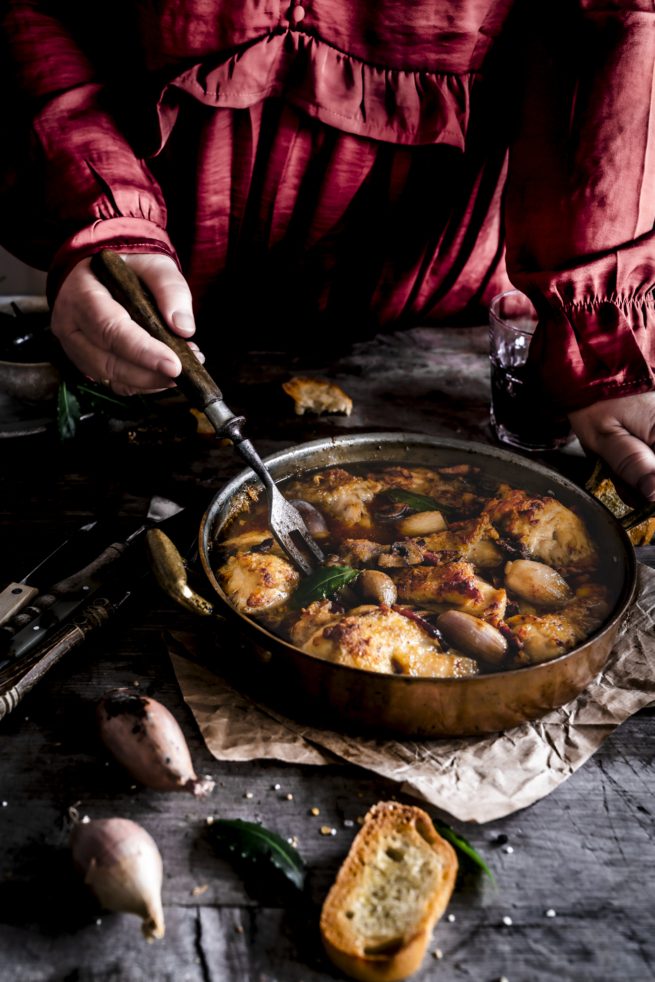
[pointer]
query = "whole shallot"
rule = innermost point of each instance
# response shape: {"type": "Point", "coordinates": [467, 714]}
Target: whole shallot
{"type": "Point", "coordinates": [146, 739]}
{"type": "Point", "coordinates": [122, 865]}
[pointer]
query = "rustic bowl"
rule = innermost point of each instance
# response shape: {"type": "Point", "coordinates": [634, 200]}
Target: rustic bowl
{"type": "Point", "coordinates": [28, 381]}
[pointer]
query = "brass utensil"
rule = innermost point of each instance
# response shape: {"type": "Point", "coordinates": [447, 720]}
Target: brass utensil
{"type": "Point", "coordinates": [202, 391]}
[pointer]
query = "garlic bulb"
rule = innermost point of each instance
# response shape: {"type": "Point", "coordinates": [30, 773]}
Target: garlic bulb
{"type": "Point", "coordinates": [122, 866]}
{"type": "Point", "coordinates": [377, 586]}
{"type": "Point", "coordinates": [422, 523]}
{"type": "Point", "coordinates": [146, 739]}
{"type": "Point", "coordinates": [537, 583]}
{"type": "Point", "coordinates": [473, 636]}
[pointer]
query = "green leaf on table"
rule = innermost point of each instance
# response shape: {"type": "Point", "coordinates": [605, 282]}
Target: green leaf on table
{"type": "Point", "coordinates": [104, 401]}
{"type": "Point", "coordinates": [68, 412]}
{"type": "Point", "coordinates": [258, 848]}
{"type": "Point", "coordinates": [418, 502]}
{"type": "Point", "coordinates": [322, 583]}
{"type": "Point", "coordinates": [463, 847]}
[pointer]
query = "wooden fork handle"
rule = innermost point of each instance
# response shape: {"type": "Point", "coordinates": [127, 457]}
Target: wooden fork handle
{"type": "Point", "coordinates": [195, 381]}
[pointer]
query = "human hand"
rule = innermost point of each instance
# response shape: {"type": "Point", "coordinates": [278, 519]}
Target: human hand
{"type": "Point", "coordinates": [102, 340]}
{"type": "Point", "coordinates": [622, 432]}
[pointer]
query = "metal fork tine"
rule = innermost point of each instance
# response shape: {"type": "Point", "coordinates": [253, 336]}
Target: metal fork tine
{"type": "Point", "coordinates": [285, 520]}
{"type": "Point", "coordinates": [291, 532]}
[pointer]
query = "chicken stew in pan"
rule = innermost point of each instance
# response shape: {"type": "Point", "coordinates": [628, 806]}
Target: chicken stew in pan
{"type": "Point", "coordinates": [428, 572]}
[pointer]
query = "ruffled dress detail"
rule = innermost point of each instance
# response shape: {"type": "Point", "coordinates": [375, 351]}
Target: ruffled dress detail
{"type": "Point", "coordinates": [411, 108]}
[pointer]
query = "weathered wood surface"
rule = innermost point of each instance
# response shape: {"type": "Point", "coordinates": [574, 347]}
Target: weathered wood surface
{"type": "Point", "coordinates": [586, 851]}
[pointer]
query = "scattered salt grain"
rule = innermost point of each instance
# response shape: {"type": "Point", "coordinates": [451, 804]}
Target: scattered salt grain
{"type": "Point", "coordinates": [199, 890]}
{"type": "Point", "coordinates": [4, 804]}
{"type": "Point", "coordinates": [509, 850]}
{"type": "Point", "coordinates": [551, 913]}
{"type": "Point", "coordinates": [99, 922]}
{"type": "Point", "coordinates": [438, 954]}
{"type": "Point", "coordinates": [276, 787]}
{"type": "Point", "coordinates": [209, 820]}
{"type": "Point", "coordinates": [507, 921]}
{"type": "Point", "coordinates": [348, 823]}
{"type": "Point", "coordinates": [289, 796]}
{"type": "Point", "coordinates": [248, 794]}
{"type": "Point", "coordinates": [451, 918]}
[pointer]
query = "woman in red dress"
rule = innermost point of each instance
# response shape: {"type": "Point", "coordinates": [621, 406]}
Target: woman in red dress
{"type": "Point", "coordinates": [339, 167]}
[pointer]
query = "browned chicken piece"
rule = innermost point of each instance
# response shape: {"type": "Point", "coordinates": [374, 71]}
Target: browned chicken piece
{"type": "Point", "coordinates": [311, 619]}
{"type": "Point", "coordinates": [256, 583]}
{"type": "Point", "coordinates": [449, 487]}
{"type": "Point", "coordinates": [362, 553]}
{"type": "Point", "coordinates": [547, 636]}
{"type": "Point", "coordinates": [408, 552]}
{"type": "Point", "coordinates": [455, 585]}
{"type": "Point", "coordinates": [474, 540]}
{"type": "Point", "coordinates": [340, 496]}
{"type": "Point", "coordinates": [379, 639]}
{"type": "Point", "coordinates": [541, 528]}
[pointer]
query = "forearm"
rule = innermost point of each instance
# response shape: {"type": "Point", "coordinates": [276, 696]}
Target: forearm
{"type": "Point", "coordinates": [581, 199]}
{"type": "Point", "coordinates": [70, 182]}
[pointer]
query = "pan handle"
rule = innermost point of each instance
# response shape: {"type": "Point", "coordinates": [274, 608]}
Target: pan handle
{"type": "Point", "coordinates": [170, 572]}
{"type": "Point", "coordinates": [628, 518]}
{"type": "Point", "coordinates": [635, 518]}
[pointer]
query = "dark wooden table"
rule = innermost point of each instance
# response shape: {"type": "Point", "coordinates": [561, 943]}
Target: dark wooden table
{"type": "Point", "coordinates": [586, 852]}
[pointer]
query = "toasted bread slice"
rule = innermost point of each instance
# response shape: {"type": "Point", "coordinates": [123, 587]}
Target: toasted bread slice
{"type": "Point", "coordinates": [392, 888]}
{"type": "Point", "coordinates": [313, 395]}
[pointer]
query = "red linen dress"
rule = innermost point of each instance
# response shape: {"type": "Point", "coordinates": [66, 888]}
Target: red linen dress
{"type": "Point", "coordinates": [335, 167]}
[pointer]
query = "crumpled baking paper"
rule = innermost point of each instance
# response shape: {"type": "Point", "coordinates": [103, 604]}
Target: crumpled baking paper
{"type": "Point", "coordinates": [474, 779]}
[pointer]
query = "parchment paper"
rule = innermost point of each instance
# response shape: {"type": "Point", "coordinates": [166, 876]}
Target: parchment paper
{"type": "Point", "coordinates": [473, 779]}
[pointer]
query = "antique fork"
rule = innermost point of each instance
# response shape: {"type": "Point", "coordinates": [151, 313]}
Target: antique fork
{"type": "Point", "coordinates": [202, 391]}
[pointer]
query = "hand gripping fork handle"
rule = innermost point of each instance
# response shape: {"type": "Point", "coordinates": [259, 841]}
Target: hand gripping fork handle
{"type": "Point", "coordinates": [202, 391]}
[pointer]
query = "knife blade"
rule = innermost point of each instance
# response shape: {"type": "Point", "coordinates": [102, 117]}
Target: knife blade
{"type": "Point", "coordinates": [19, 593]}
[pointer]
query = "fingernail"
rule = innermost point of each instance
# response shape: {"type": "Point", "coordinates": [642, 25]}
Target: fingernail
{"type": "Point", "coordinates": [646, 486]}
{"type": "Point", "coordinates": [168, 367]}
{"type": "Point", "coordinates": [197, 352]}
{"type": "Point", "coordinates": [183, 322]}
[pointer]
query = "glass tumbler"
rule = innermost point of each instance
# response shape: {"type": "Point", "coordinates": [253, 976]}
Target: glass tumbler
{"type": "Point", "coordinates": [521, 412]}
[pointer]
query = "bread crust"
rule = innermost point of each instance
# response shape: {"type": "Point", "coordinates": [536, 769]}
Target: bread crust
{"type": "Point", "coordinates": [343, 945]}
{"type": "Point", "coordinates": [314, 395]}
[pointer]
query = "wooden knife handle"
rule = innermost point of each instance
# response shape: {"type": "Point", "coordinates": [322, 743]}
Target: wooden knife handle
{"type": "Point", "coordinates": [125, 287]}
{"type": "Point", "coordinates": [19, 679]}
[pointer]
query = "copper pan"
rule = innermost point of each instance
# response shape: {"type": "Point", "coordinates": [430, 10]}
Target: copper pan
{"type": "Point", "coordinates": [341, 697]}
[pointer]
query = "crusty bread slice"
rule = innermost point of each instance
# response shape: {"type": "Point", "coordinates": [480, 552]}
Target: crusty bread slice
{"type": "Point", "coordinates": [392, 888]}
